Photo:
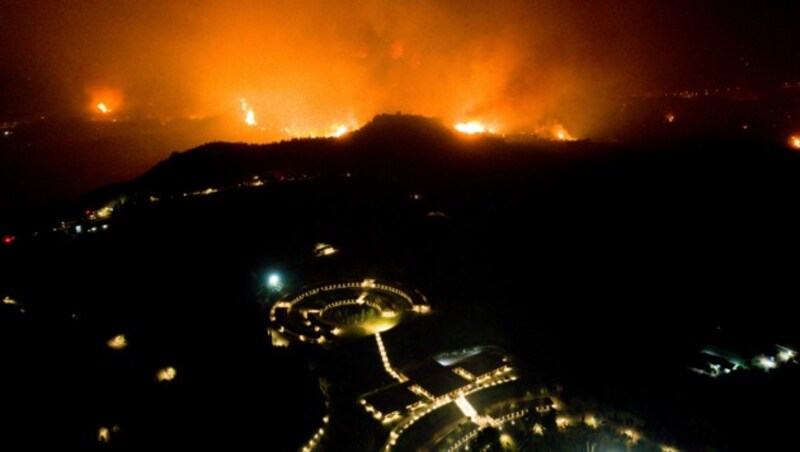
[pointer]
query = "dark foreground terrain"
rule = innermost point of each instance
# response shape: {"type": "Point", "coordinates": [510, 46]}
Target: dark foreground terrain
{"type": "Point", "coordinates": [602, 270]}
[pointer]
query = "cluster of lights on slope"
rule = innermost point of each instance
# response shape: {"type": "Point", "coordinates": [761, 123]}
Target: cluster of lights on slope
{"type": "Point", "coordinates": [633, 436]}
{"type": "Point", "coordinates": [424, 410]}
{"type": "Point", "coordinates": [87, 222]}
{"type": "Point", "coordinates": [784, 355]}
{"type": "Point", "coordinates": [166, 374]}
{"type": "Point", "coordinates": [537, 428]}
{"type": "Point", "coordinates": [562, 421]}
{"type": "Point", "coordinates": [768, 362]}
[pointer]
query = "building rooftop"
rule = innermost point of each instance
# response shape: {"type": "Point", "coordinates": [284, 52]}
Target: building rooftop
{"type": "Point", "coordinates": [434, 378]}
{"type": "Point", "coordinates": [392, 398]}
{"type": "Point", "coordinates": [480, 364]}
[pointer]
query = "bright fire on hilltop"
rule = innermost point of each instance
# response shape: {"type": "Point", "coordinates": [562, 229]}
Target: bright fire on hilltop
{"type": "Point", "coordinates": [556, 132]}
{"type": "Point", "coordinates": [249, 115]}
{"type": "Point", "coordinates": [472, 128]}
{"type": "Point", "coordinates": [561, 134]}
{"type": "Point", "coordinates": [339, 131]}
{"type": "Point", "coordinates": [104, 100]}
{"type": "Point", "coordinates": [516, 62]}
{"type": "Point", "coordinates": [335, 131]}
{"type": "Point", "coordinates": [379, 57]}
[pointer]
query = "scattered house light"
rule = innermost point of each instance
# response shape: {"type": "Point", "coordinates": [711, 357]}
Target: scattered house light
{"type": "Point", "coordinates": [324, 249]}
{"type": "Point", "coordinates": [104, 433]}
{"type": "Point", "coordinates": [562, 422]}
{"type": "Point", "coordinates": [766, 362]}
{"type": "Point", "coordinates": [632, 435]}
{"type": "Point", "coordinates": [104, 212]}
{"type": "Point", "coordinates": [785, 354]}
{"type": "Point", "coordinates": [117, 342]}
{"type": "Point", "coordinates": [166, 374]}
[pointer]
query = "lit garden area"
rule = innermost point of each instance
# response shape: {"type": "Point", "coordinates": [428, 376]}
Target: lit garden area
{"type": "Point", "coordinates": [326, 313]}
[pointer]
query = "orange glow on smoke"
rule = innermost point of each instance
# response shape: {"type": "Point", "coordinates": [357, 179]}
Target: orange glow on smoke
{"type": "Point", "coordinates": [499, 69]}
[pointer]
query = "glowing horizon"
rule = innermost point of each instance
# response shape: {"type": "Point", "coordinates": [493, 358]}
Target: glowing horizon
{"type": "Point", "coordinates": [172, 61]}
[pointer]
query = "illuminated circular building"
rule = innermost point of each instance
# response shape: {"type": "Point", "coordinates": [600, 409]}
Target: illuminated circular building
{"type": "Point", "coordinates": [330, 312]}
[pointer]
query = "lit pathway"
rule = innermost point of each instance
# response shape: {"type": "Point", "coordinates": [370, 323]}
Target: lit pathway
{"type": "Point", "coordinates": [385, 358]}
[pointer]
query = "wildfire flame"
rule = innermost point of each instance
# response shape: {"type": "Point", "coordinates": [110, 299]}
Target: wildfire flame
{"type": "Point", "coordinates": [379, 58]}
{"type": "Point", "coordinates": [558, 132]}
{"type": "Point", "coordinates": [471, 128]}
{"type": "Point", "coordinates": [794, 142]}
{"type": "Point", "coordinates": [249, 114]}
{"type": "Point", "coordinates": [338, 131]}
{"type": "Point", "coordinates": [250, 118]}
{"type": "Point", "coordinates": [669, 117]}
{"type": "Point", "coordinates": [335, 131]}
{"type": "Point", "coordinates": [104, 100]}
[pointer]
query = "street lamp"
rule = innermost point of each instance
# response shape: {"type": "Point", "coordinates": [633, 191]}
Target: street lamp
{"type": "Point", "coordinates": [274, 281]}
